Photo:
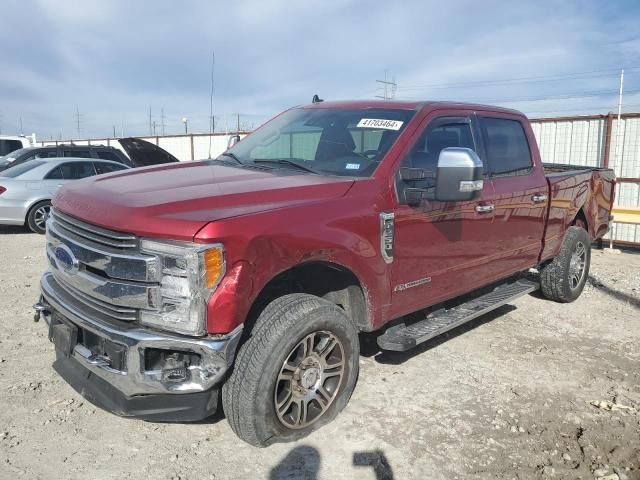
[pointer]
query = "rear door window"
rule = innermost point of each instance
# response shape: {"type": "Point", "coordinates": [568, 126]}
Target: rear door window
{"type": "Point", "coordinates": [77, 153]}
{"type": "Point", "coordinates": [108, 155]}
{"type": "Point", "coordinates": [506, 145]}
{"type": "Point", "coordinates": [104, 167]}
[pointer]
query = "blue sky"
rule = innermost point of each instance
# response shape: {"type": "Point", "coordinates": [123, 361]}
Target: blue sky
{"type": "Point", "coordinates": [114, 59]}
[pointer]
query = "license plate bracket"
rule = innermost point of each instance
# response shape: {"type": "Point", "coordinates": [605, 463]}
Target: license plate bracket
{"type": "Point", "coordinates": [64, 337]}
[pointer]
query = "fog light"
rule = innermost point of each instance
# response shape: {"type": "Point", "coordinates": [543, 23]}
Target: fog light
{"type": "Point", "coordinates": [174, 370]}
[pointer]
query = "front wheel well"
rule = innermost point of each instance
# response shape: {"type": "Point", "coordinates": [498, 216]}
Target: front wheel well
{"type": "Point", "coordinates": [323, 279]}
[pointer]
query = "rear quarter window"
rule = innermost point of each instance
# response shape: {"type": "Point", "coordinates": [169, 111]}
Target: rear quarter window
{"type": "Point", "coordinates": [8, 146]}
{"type": "Point", "coordinates": [507, 147]}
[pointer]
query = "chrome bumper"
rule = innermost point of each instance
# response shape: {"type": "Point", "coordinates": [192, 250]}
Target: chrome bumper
{"type": "Point", "coordinates": [216, 353]}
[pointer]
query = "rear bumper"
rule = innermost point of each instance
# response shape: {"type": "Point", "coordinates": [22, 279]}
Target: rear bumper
{"type": "Point", "coordinates": [108, 363]}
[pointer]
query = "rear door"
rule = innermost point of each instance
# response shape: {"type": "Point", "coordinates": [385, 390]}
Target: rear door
{"type": "Point", "coordinates": [520, 191]}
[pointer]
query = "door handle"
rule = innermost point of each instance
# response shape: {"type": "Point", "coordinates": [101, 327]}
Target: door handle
{"type": "Point", "coordinates": [539, 198]}
{"type": "Point", "coordinates": [486, 208]}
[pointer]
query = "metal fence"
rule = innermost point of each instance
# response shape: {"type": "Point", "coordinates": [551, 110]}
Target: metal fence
{"type": "Point", "coordinates": [598, 141]}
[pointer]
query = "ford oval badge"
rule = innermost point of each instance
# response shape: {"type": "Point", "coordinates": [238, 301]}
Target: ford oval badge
{"type": "Point", "coordinates": [65, 259]}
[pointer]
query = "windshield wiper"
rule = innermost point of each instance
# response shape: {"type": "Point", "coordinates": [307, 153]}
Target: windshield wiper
{"type": "Point", "coordinates": [284, 161]}
{"type": "Point", "coordinates": [231, 155]}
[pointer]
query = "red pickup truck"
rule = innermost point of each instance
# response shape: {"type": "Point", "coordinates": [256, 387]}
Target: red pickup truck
{"type": "Point", "coordinates": [246, 279]}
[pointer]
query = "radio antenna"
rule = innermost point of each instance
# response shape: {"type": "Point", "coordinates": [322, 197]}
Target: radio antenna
{"type": "Point", "coordinates": [211, 118]}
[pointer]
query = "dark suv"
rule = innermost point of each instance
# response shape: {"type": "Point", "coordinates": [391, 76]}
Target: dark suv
{"type": "Point", "coordinates": [140, 153]}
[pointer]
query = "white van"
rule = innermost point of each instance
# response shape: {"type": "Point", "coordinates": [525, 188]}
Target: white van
{"type": "Point", "coordinates": [10, 143]}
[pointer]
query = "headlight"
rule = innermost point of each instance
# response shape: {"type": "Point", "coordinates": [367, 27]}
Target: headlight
{"type": "Point", "coordinates": [190, 273]}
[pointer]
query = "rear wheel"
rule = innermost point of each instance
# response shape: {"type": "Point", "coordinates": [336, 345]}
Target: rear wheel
{"type": "Point", "coordinates": [564, 278]}
{"type": "Point", "coordinates": [38, 215]}
{"type": "Point", "coordinates": [295, 373]}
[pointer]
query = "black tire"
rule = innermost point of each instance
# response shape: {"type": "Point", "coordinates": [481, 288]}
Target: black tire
{"type": "Point", "coordinates": [559, 279]}
{"type": "Point", "coordinates": [35, 220]}
{"type": "Point", "coordinates": [249, 395]}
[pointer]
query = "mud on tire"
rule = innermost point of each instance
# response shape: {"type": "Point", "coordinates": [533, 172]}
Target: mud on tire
{"type": "Point", "coordinates": [564, 278]}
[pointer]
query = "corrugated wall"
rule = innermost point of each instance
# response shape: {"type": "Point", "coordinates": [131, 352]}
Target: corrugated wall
{"type": "Point", "coordinates": [582, 141]}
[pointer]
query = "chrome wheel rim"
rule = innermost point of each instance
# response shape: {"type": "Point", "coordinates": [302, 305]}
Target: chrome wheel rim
{"type": "Point", "coordinates": [41, 215]}
{"type": "Point", "coordinates": [309, 380]}
{"type": "Point", "coordinates": [577, 265]}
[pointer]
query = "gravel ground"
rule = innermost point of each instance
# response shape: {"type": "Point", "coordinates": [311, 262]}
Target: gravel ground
{"type": "Point", "coordinates": [534, 390]}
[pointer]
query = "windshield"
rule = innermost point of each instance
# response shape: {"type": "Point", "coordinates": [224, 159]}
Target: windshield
{"type": "Point", "coordinates": [20, 169]}
{"type": "Point", "coordinates": [345, 142]}
{"type": "Point", "coordinates": [11, 157]}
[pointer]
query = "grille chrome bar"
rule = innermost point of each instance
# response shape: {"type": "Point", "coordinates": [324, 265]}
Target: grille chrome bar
{"type": "Point", "coordinates": [118, 313]}
{"type": "Point", "coordinates": [93, 233]}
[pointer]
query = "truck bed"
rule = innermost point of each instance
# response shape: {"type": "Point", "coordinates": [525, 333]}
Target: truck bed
{"type": "Point", "coordinates": [576, 192]}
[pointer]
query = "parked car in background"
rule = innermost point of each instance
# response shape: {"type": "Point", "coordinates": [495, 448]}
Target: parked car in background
{"type": "Point", "coordinates": [139, 153]}
{"type": "Point", "coordinates": [26, 190]}
{"type": "Point", "coordinates": [10, 143]}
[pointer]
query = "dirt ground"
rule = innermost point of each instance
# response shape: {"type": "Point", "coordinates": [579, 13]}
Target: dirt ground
{"type": "Point", "coordinates": [534, 390]}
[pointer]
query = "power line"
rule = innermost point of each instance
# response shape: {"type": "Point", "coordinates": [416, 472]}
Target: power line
{"type": "Point", "coordinates": [527, 79]}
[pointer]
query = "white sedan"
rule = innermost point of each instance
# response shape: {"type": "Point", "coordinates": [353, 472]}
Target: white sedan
{"type": "Point", "coordinates": [26, 190]}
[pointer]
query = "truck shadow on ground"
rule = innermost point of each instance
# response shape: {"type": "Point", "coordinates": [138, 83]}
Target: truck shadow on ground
{"type": "Point", "coordinates": [303, 462]}
{"type": "Point", "coordinates": [612, 292]}
{"type": "Point", "coordinates": [369, 346]}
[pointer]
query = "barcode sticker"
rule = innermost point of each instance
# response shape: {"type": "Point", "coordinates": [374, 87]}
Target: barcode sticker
{"type": "Point", "coordinates": [380, 123]}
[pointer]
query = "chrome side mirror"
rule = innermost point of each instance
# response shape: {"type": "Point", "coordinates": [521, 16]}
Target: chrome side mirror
{"type": "Point", "coordinates": [459, 175]}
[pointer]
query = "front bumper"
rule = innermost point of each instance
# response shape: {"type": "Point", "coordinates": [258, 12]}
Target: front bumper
{"type": "Point", "coordinates": [109, 363]}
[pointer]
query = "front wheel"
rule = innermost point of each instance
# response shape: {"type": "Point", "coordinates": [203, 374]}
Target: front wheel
{"type": "Point", "coordinates": [564, 278]}
{"type": "Point", "coordinates": [295, 373]}
{"type": "Point", "coordinates": [38, 215]}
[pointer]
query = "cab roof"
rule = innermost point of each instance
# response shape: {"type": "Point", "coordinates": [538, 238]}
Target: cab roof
{"type": "Point", "coordinates": [407, 105]}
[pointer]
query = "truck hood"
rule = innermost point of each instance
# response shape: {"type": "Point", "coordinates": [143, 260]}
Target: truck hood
{"type": "Point", "coordinates": [177, 200]}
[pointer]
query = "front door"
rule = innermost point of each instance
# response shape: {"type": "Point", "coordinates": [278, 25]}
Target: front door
{"type": "Point", "coordinates": [441, 249]}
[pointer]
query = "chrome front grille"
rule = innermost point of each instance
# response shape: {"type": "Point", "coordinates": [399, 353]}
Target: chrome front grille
{"type": "Point", "coordinates": [92, 233]}
{"type": "Point", "coordinates": [82, 299]}
{"type": "Point", "coordinates": [108, 276]}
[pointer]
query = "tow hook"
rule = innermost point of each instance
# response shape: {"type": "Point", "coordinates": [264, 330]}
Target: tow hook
{"type": "Point", "coordinates": [40, 309]}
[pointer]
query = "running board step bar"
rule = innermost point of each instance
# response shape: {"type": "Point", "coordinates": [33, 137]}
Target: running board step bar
{"type": "Point", "coordinates": [400, 338]}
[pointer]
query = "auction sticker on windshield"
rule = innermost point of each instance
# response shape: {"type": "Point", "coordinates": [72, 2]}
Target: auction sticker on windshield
{"type": "Point", "coordinates": [379, 123]}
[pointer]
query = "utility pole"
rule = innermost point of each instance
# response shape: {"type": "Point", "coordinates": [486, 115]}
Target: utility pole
{"type": "Point", "coordinates": [78, 121]}
{"type": "Point", "coordinates": [114, 131]}
{"type": "Point", "coordinates": [162, 124]}
{"type": "Point", "coordinates": [618, 131]}
{"type": "Point", "coordinates": [238, 124]}
{"type": "Point", "coordinates": [21, 132]}
{"type": "Point", "coordinates": [150, 126]}
{"type": "Point", "coordinates": [154, 128]}
{"type": "Point", "coordinates": [389, 87]}
{"type": "Point", "coordinates": [0, 124]}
